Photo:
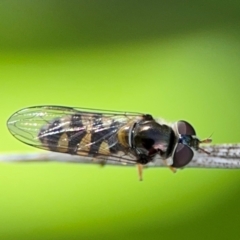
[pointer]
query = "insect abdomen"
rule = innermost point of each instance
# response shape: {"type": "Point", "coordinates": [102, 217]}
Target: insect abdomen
{"type": "Point", "coordinates": [63, 134]}
{"type": "Point", "coordinates": [82, 135]}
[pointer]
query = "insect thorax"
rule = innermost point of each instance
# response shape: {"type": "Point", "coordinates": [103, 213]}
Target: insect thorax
{"type": "Point", "coordinates": [147, 137]}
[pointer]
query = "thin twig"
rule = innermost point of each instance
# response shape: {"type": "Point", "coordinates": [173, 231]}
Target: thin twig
{"type": "Point", "coordinates": [221, 156]}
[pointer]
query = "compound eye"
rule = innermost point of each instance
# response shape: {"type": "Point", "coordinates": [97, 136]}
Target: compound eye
{"type": "Point", "coordinates": [185, 128]}
{"type": "Point", "coordinates": [182, 155]}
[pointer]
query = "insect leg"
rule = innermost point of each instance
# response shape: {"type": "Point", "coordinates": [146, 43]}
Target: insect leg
{"type": "Point", "coordinates": [140, 171]}
{"type": "Point", "coordinates": [174, 170]}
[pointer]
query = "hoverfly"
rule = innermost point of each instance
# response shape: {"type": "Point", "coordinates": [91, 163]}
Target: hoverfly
{"type": "Point", "coordinates": [130, 138]}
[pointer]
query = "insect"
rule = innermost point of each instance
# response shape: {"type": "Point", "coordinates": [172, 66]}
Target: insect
{"type": "Point", "coordinates": [130, 138]}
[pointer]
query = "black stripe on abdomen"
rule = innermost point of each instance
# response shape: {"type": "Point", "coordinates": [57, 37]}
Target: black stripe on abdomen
{"type": "Point", "coordinates": [78, 133]}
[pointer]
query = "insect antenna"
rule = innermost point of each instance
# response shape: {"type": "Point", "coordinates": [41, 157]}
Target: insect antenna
{"type": "Point", "coordinates": [206, 140]}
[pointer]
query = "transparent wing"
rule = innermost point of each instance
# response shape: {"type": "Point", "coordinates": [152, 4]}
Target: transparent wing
{"type": "Point", "coordinates": [78, 131]}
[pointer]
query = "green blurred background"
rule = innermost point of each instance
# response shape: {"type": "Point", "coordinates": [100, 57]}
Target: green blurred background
{"type": "Point", "coordinates": [173, 59]}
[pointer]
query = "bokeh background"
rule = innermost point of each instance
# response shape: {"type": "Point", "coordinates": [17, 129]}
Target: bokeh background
{"type": "Point", "coordinates": [173, 59]}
